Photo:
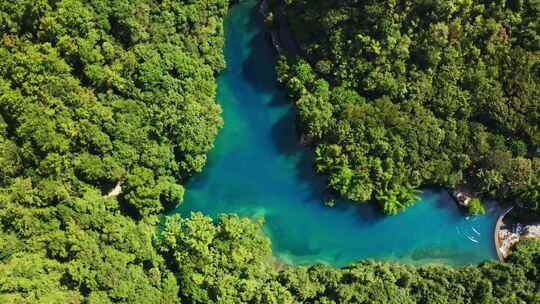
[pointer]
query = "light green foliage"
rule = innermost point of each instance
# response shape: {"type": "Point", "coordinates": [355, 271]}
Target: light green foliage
{"type": "Point", "coordinates": [99, 251]}
{"type": "Point", "coordinates": [98, 92]}
{"type": "Point", "coordinates": [399, 94]}
{"type": "Point", "coordinates": [95, 94]}
{"type": "Point", "coordinates": [476, 207]}
{"type": "Point", "coordinates": [228, 262]}
{"type": "Point", "coordinates": [31, 278]}
{"type": "Point", "coordinates": [373, 282]}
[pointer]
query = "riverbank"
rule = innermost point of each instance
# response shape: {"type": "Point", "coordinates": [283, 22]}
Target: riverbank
{"type": "Point", "coordinates": [462, 195]}
{"type": "Point", "coordinates": [258, 169]}
{"type": "Point", "coordinates": [266, 14]}
{"type": "Point", "coordinates": [282, 38]}
{"type": "Point", "coordinates": [508, 234]}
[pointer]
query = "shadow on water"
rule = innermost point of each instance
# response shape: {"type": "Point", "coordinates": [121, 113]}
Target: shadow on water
{"type": "Point", "coordinates": [280, 100]}
{"type": "Point", "coordinates": [258, 69]}
{"type": "Point", "coordinates": [286, 141]}
{"type": "Point", "coordinates": [366, 213]}
{"type": "Point", "coordinates": [258, 168]}
{"type": "Point", "coordinates": [443, 200]}
{"type": "Point", "coordinates": [306, 175]}
{"type": "Point", "coordinates": [439, 200]}
{"type": "Point", "coordinates": [284, 135]}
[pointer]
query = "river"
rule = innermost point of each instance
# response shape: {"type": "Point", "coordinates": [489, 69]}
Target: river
{"type": "Point", "coordinates": [258, 169]}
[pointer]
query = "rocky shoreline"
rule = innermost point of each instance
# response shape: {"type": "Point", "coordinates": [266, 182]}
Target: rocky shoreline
{"type": "Point", "coordinates": [281, 38]}
{"type": "Point", "coordinates": [508, 234]}
{"type": "Point", "coordinates": [462, 196]}
{"type": "Point", "coordinates": [265, 12]}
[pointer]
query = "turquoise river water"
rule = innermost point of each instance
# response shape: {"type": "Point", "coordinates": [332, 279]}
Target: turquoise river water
{"type": "Point", "coordinates": [258, 169]}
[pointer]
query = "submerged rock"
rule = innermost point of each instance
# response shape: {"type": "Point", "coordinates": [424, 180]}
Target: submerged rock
{"type": "Point", "coordinates": [462, 196]}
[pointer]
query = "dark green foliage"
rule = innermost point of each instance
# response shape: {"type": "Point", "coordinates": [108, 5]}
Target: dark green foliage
{"type": "Point", "coordinates": [225, 263]}
{"type": "Point", "coordinates": [95, 94]}
{"type": "Point", "coordinates": [101, 92]}
{"type": "Point", "coordinates": [398, 94]}
{"type": "Point", "coordinates": [230, 262]}
{"type": "Point", "coordinates": [98, 94]}
{"type": "Point", "coordinates": [371, 282]}
{"type": "Point", "coordinates": [528, 202]}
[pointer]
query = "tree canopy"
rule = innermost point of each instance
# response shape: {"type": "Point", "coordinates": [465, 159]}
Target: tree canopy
{"type": "Point", "coordinates": [96, 94]}
{"type": "Point", "coordinates": [396, 95]}
{"type": "Point", "coordinates": [229, 261]}
{"type": "Point", "coordinates": [99, 95]}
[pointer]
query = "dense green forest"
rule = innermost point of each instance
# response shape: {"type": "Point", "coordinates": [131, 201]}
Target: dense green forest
{"type": "Point", "coordinates": [396, 95]}
{"type": "Point", "coordinates": [231, 262]}
{"type": "Point", "coordinates": [98, 94]}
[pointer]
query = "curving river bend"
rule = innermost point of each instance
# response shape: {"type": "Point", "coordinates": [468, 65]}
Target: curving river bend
{"type": "Point", "coordinates": [258, 169]}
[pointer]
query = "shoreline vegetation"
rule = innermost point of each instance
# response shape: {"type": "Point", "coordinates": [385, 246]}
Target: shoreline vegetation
{"type": "Point", "coordinates": [462, 195]}
{"type": "Point", "coordinates": [505, 234]}
{"type": "Point", "coordinates": [267, 15]}
{"type": "Point", "coordinates": [495, 159]}
{"type": "Point", "coordinates": [106, 108]}
{"type": "Point", "coordinates": [96, 92]}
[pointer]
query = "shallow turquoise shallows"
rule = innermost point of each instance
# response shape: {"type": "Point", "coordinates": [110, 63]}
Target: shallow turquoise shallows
{"type": "Point", "coordinates": [258, 169]}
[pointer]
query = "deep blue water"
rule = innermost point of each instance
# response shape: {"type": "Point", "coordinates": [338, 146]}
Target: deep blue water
{"type": "Point", "coordinates": [258, 169]}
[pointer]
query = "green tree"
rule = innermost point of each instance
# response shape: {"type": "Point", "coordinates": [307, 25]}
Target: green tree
{"type": "Point", "coordinates": [428, 93]}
